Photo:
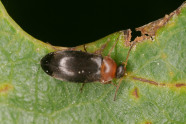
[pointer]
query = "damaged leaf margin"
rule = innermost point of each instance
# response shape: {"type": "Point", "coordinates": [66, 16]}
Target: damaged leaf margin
{"type": "Point", "coordinates": [149, 30]}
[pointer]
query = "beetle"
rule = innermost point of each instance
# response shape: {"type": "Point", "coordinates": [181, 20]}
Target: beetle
{"type": "Point", "coordinates": [83, 67]}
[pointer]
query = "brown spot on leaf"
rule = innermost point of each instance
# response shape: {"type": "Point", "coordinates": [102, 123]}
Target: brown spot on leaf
{"type": "Point", "coordinates": [99, 51]}
{"type": "Point", "coordinates": [135, 93]}
{"type": "Point", "coordinates": [151, 28]}
{"type": "Point", "coordinates": [4, 88]}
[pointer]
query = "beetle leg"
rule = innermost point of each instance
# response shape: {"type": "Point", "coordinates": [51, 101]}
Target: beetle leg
{"type": "Point", "coordinates": [81, 89]}
{"type": "Point", "coordinates": [85, 49]}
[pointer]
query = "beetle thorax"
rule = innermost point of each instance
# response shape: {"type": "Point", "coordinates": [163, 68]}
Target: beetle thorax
{"type": "Point", "coordinates": [108, 69]}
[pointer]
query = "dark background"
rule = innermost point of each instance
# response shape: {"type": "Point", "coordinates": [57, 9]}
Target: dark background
{"type": "Point", "coordinates": [75, 22]}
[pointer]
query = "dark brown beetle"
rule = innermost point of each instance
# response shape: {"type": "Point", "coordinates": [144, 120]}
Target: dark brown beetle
{"type": "Point", "coordinates": [83, 67]}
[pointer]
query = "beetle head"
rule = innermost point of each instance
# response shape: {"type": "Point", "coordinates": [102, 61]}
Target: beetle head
{"type": "Point", "coordinates": [120, 71]}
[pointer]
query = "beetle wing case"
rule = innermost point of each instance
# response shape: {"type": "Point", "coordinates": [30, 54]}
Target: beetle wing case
{"type": "Point", "coordinates": [73, 66]}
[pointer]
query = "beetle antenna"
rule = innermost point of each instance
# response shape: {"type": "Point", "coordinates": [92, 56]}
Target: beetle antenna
{"type": "Point", "coordinates": [128, 55]}
{"type": "Point", "coordinates": [117, 89]}
{"type": "Point", "coordinates": [124, 69]}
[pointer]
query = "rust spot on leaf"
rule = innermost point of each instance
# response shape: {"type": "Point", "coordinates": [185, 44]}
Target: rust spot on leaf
{"type": "Point", "coordinates": [5, 88]}
{"type": "Point", "coordinates": [159, 84]}
{"type": "Point", "coordinates": [151, 28]}
{"type": "Point", "coordinates": [135, 93]}
{"type": "Point", "coordinates": [148, 122]}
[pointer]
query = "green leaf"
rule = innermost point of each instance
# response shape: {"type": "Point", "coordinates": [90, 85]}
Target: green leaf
{"type": "Point", "coordinates": [153, 91]}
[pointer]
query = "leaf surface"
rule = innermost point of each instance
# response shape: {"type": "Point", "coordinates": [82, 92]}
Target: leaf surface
{"type": "Point", "coordinates": [153, 91]}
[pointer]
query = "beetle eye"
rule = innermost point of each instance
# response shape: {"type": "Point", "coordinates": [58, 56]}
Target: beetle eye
{"type": "Point", "coordinates": [120, 71]}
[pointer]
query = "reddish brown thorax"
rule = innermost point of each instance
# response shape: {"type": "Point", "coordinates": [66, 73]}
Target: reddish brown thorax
{"type": "Point", "coordinates": [108, 69]}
